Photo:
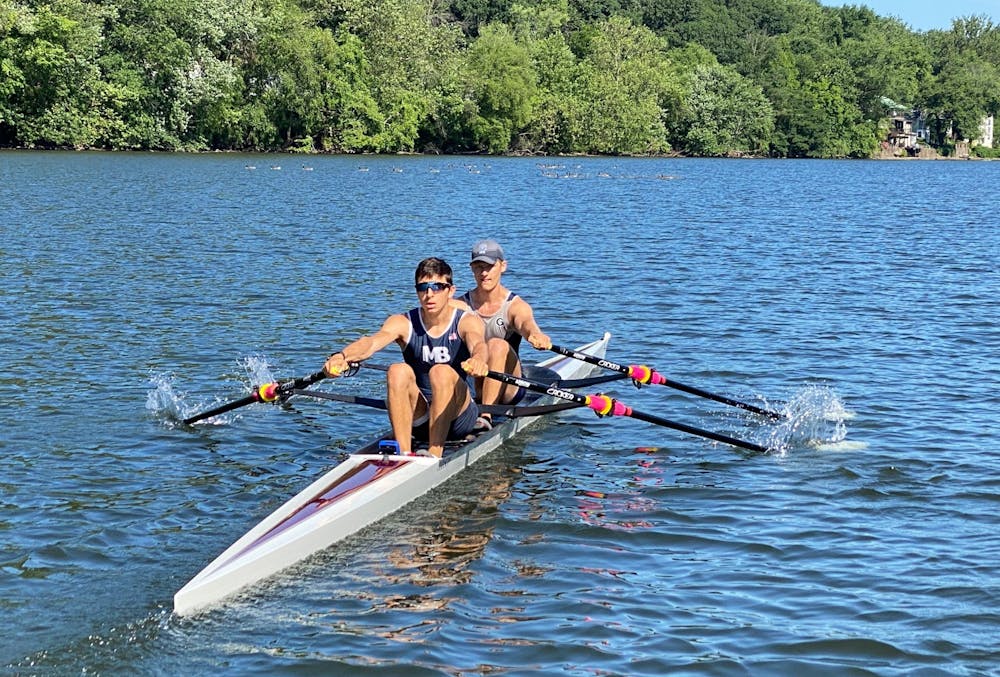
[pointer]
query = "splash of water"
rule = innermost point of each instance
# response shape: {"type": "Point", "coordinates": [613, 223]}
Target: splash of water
{"type": "Point", "coordinates": [164, 401]}
{"type": "Point", "coordinates": [168, 403]}
{"type": "Point", "coordinates": [258, 369]}
{"type": "Point", "coordinates": [816, 417]}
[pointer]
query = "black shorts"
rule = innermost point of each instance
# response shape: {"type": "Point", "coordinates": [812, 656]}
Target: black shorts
{"type": "Point", "coordinates": [460, 427]}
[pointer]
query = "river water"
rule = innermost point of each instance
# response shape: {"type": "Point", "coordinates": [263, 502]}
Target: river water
{"type": "Point", "coordinates": [858, 297]}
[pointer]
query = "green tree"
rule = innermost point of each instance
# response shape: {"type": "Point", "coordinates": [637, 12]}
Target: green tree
{"type": "Point", "coordinates": [12, 82]}
{"type": "Point", "coordinates": [724, 114]}
{"type": "Point", "coordinates": [963, 94]}
{"type": "Point", "coordinates": [821, 123]}
{"type": "Point", "coordinates": [550, 129]}
{"type": "Point", "coordinates": [151, 67]}
{"type": "Point", "coordinates": [504, 87]}
{"type": "Point", "coordinates": [965, 86]}
{"type": "Point", "coordinates": [882, 58]}
{"type": "Point", "coordinates": [471, 14]}
{"type": "Point", "coordinates": [51, 93]}
{"type": "Point", "coordinates": [411, 58]}
{"type": "Point", "coordinates": [315, 89]}
{"type": "Point", "coordinates": [225, 38]}
{"type": "Point", "coordinates": [623, 91]}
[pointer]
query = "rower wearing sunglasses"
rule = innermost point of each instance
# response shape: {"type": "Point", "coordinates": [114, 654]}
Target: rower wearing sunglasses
{"type": "Point", "coordinates": [507, 317]}
{"type": "Point", "coordinates": [428, 394]}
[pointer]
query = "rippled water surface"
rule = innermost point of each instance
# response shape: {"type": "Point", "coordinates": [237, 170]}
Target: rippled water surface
{"type": "Point", "coordinates": [858, 297]}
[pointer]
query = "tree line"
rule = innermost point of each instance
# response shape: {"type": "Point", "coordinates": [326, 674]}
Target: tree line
{"type": "Point", "coordinates": [783, 78]}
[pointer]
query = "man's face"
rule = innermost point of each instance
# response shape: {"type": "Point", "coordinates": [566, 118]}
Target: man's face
{"type": "Point", "coordinates": [488, 274]}
{"type": "Point", "coordinates": [434, 292]}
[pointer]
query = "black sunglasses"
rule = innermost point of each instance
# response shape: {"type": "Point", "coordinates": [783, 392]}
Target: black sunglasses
{"type": "Point", "coordinates": [432, 286]}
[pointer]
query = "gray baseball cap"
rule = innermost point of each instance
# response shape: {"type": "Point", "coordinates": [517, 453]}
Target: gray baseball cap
{"type": "Point", "coordinates": [488, 251]}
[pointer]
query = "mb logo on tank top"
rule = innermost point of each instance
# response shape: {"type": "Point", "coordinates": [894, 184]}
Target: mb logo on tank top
{"type": "Point", "coordinates": [435, 354]}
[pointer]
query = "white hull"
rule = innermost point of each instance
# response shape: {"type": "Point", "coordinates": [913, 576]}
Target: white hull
{"type": "Point", "coordinates": [360, 491]}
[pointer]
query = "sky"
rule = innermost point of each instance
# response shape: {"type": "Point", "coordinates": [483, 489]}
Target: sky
{"type": "Point", "coordinates": [925, 15]}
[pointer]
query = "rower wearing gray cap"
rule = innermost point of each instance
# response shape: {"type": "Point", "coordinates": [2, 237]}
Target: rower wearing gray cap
{"type": "Point", "coordinates": [508, 318]}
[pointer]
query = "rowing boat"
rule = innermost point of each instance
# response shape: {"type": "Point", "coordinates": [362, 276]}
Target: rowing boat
{"type": "Point", "coordinates": [364, 488]}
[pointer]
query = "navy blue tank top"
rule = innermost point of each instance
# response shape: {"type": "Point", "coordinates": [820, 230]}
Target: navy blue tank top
{"type": "Point", "coordinates": [422, 351]}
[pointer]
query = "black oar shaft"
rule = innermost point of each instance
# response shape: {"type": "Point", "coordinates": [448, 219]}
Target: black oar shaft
{"type": "Point", "coordinates": [249, 399]}
{"type": "Point", "coordinates": [279, 391]}
{"type": "Point", "coordinates": [720, 398]}
{"type": "Point", "coordinates": [302, 382]}
{"type": "Point", "coordinates": [623, 410]}
{"type": "Point", "coordinates": [662, 380]}
{"type": "Point", "coordinates": [718, 437]}
{"type": "Point", "coordinates": [375, 403]}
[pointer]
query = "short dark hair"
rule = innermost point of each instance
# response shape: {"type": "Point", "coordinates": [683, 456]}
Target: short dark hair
{"type": "Point", "coordinates": [433, 267]}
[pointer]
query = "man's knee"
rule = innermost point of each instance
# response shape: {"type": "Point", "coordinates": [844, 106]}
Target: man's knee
{"type": "Point", "coordinates": [399, 375]}
{"type": "Point", "coordinates": [442, 375]}
{"type": "Point", "coordinates": [498, 346]}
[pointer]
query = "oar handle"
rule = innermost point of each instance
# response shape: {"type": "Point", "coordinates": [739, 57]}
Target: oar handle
{"type": "Point", "coordinates": [643, 374]}
{"type": "Point", "coordinates": [607, 406]}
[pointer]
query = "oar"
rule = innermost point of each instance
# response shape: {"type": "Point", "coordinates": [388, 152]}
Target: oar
{"type": "Point", "coordinates": [507, 410]}
{"type": "Point", "coordinates": [566, 383]}
{"type": "Point", "coordinates": [641, 374]}
{"type": "Point", "coordinates": [606, 406]}
{"type": "Point", "coordinates": [268, 392]}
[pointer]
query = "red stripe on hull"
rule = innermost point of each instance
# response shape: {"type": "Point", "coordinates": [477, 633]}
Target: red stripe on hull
{"type": "Point", "coordinates": [364, 474]}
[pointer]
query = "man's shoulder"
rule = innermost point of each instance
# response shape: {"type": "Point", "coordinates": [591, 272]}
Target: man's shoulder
{"type": "Point", "coordinates": [404, 315]}
{"type": "Point", "coordinates": [398, 321]}
{"type": "Point", "coordinates": [468, 319]}
{"type": "Point", "coordinates": [517, 301]}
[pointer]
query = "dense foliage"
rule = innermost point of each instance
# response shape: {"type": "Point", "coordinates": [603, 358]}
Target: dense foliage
{"type": "Point", "coordinates": [701, 77]}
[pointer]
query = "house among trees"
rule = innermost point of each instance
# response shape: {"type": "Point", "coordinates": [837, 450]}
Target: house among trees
{"type": "Point", "coordinates": [912, 132]}
{"type": "Point", "coordinates": [985, 133]}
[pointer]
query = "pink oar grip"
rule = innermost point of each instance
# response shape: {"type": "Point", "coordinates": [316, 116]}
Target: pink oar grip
{"type": "Point", "coordinates": [606, 406]}
{"type": "Point", "coordinates": [656, 379]}
{"type": "Point", "coordinates": [644, 374]}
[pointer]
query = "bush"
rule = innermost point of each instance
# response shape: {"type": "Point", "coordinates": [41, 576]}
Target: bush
{"type": "Point", "coordinates": [986, 153]}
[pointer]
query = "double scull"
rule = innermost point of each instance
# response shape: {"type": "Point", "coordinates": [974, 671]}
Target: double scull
{"type": "Point", "coordinates": [363, 489]}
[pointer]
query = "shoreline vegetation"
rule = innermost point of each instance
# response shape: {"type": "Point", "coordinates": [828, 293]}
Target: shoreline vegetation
{"type": "Point", "coordinates": [674, 78]}
{"type": "Point", "coordinates": [540, 156]}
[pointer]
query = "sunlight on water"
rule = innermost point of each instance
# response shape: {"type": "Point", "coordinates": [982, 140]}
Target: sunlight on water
{"type": "Point", "coordinates": [843, 445]}
{"type": "Point", "coordinates": [815, 417]}
{"type": "Point", "coordinates": [118, 642]}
